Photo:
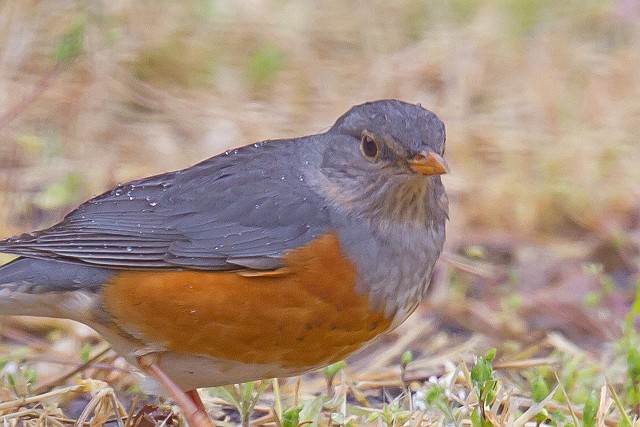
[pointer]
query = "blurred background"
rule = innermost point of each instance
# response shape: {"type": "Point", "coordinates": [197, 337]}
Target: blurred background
{"type": "Point", "coordinates": [541, 100]}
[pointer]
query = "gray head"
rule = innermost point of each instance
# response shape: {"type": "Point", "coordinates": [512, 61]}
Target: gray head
{"type": "Point", "coordinates": [401, 131]}
{"type": "Point", "coordinates": [383, 161]}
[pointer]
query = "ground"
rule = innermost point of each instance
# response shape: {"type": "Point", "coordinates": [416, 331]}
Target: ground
{"type": "Point", "coordinates": [542, 106]}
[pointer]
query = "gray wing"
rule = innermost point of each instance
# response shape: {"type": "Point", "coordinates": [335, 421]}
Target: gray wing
{"type": "Point", "coordinates": [242, 209]}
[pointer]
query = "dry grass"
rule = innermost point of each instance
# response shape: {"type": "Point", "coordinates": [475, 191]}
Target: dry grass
{"type": "Point", "coordinates": [540, 99]}
{"type": "Point", "coordinates": [542, 104]}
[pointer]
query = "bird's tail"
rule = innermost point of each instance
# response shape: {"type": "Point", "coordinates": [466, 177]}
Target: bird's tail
{"type": "Point", "coordinates": [48, 288]}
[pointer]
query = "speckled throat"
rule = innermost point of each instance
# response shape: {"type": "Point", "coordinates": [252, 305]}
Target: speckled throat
{"type": "Point", "coordinates": [404, 221]}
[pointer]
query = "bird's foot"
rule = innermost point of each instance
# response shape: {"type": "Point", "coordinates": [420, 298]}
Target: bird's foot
{"type": "Point", "coordinates": [191, 406]}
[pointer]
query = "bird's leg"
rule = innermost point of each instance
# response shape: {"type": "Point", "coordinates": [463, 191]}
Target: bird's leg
{"type": "Point", "coordinates": [195, 398]}
{"type": "Point", "coordinates": [193, 410]}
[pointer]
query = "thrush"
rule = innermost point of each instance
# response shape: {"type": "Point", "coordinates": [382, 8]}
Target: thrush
{"type": "Point", "coordinates": [265, 261]}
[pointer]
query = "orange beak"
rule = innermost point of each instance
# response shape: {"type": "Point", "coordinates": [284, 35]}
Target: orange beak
{"type": "Point", "coordinates": [428, 163]}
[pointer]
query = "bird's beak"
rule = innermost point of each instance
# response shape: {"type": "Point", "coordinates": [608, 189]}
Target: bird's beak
{"type": "Point", "coordinates": [428, 163]}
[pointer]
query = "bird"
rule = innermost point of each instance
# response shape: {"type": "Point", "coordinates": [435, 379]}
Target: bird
{"type": "Point", "coordinates": [265, 261]}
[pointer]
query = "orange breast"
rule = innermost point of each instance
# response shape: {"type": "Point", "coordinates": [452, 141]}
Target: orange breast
{"type": "Point", "coordinates": [306, 314]}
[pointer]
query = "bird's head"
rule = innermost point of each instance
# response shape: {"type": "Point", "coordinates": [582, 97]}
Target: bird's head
{"type": "Point", "coordinates": [384, 159]}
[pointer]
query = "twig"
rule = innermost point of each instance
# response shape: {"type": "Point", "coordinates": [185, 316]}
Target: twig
{"type": "Point", "coordinates": [75, 364]}
{"type": "Point", "coordinates": [534, 409]}
{"type": "Point", "coordinates": [118, 409]}
{"type": "Point", "coordinates": [57, 381]}
{"type": "Point", "coordinates": [616, 399]}
{"type": "Point", "coordinates": [32, 399]}
{"type": "Point", "coordinates": [528, 363]}
{"type": "Point", "coordinates": [92, 405]}
{"type": "Point", "coordinates": [41, 86]}
{"type": "Point", "coordinates": [130, 415]}
{"type": "Point", "coordinates": [566, 398]}
{"type": "Point", "coordinates": [277, 398]}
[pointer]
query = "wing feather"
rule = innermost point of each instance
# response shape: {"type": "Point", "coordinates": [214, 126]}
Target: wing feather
{"type": "Point", "coordinates": [243, 210]}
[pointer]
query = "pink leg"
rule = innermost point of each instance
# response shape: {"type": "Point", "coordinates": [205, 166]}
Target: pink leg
{"type": "Point", "coordinates": [195, 398]}
{"type": "Point", "coordinates": [193, 410]}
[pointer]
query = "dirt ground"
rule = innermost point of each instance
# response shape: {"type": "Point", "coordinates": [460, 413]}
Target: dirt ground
{"type": "Point", "coordinates": [541, 101]}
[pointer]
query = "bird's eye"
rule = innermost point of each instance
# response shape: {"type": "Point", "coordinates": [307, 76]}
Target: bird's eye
{"type": "Point", "coordinates": [369, 146]}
